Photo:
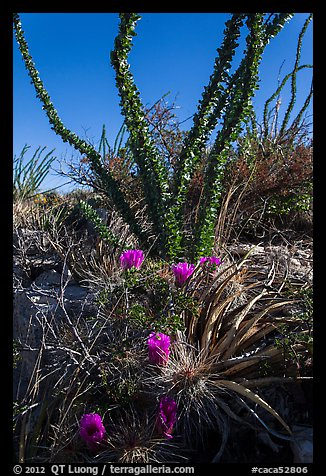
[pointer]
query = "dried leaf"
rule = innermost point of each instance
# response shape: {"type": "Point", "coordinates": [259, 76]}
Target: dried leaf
{"type": "Point", "coordinates": [254, 397]}
{"type": "Point", "coordinates": [230, 342]}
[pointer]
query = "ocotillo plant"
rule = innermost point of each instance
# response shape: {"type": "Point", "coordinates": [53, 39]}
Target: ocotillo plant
{"type": "Point", "coordinates": [293, 75]}
{"type": "Point", "coordinates": [225, 100]}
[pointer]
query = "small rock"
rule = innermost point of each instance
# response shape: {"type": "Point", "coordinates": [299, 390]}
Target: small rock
{"type": "Point", "coordinates": [48, 278]}
{"type": "Point", "coordinates": [20, 275]}
{"type": "Point", "coordinates": [295, 263]}
{"type": "Point", "coordinates": [33, 309]}
{"type": "Point", "coordinates": [75, 292]}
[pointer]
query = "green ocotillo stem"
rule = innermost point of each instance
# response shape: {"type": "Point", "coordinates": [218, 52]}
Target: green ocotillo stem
{"type": "Point", "coordinates": [152, 170]}
{"type": "Point", "coordinates": [294, 76]}
{"type": "Point", "coordinates": [242, 85]}
{"type": "Point", "coordinates": [239, 106]}
{"type": "Point", "coordinates": [213, 97]}
{"type": "Point", "coordinates": [109, 183]}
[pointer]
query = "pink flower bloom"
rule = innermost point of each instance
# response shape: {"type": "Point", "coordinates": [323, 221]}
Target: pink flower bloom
{"type": "Point", "coordinates": [158, 348]}
{"type": "Point", "coordinates": [92, 430]}
{"type": "Point", "coordinates": [167, 416]}
{"type": "Point", "coordinates": [212, 260]}
{"type": "Point", "coordinates": [131, 258]}
{"type": "Point", "coordinates": [182, 271]}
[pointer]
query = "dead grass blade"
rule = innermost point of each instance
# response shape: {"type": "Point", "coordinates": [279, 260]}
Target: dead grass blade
{"type": "Point", "coordinates": [256, 333]}
{"type": "Point", "coordinates": [22, 440]}
{"type": "Point", "coordinates": [265, 381]}
{"type": "Point", "coordinates": [226, 348]}
{"type": "Point", "coordinates": [246, 330]}
{"type": "Point", "coordinates": [236, 387]}
{"type": "Point", "coordinates": [229, 210]}
{"type": "Point", "coordinates": [238, 367]}
{"type": "Point", "coordinates": [214, 310]}
{"type": "Point", "coordinates": [209, 302]}
{"type": "Point", "coordinates": [214, 321]}
{"type": "Point", "coordinates": [270, 430]}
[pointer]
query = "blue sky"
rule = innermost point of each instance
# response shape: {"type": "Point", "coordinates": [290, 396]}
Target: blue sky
{"type": "Point", "coordinates": [172, 52]}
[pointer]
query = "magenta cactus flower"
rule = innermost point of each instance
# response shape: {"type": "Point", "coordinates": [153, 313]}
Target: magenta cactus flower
{"type": "Point", "coordinates": [92, 430]}
{"type": "Point", "coordinates": [158, 348]}
{"type": "Point", "coordinates": [182, 271]}
{"type": "Point", "coordinates": [167, 416]}
{"type": "Point", "coordinates": [212, 260]}
{"type": "Point", "coordinates": [131, 258]}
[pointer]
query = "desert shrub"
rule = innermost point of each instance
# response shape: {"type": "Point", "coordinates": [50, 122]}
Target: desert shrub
{"type": "Point", "coordinates": [166, 131]}
{"type": "Point", "coordinates": [278, 186]}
